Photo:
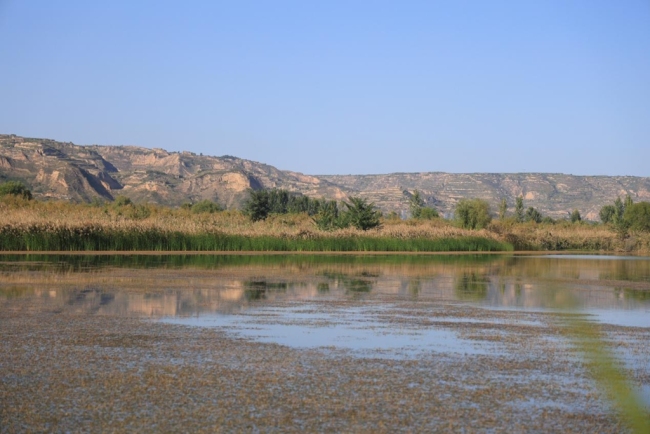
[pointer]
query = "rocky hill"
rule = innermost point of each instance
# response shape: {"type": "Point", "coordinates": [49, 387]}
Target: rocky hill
{"type": "Point", "coordinates": [60, 170]}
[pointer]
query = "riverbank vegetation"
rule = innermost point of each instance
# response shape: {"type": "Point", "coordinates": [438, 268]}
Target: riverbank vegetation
{"type": "Point", "coordinates": [30, 225]}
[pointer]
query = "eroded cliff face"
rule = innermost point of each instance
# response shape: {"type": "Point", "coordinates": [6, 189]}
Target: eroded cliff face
{"type": "Point", "coordinates": [59, 170]}
{"type": "Point", "coordinates": [66, 171]}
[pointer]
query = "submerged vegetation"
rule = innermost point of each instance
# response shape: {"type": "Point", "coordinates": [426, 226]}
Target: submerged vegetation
{"type": "Point", "coordinates": [277, 220]}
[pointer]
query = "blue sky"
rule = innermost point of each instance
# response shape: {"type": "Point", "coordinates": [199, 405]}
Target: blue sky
{"type": "Point", "coordinates": [338, 87]}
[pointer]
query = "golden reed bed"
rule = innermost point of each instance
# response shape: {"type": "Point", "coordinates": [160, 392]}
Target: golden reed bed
{"type": "Point", "coordinates": [19, 215]}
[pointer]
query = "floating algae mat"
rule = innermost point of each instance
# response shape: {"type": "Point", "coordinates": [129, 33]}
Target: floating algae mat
{"type": "Point", "coordinates": [295, 343]}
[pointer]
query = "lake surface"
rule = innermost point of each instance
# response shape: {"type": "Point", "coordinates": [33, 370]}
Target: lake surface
{"type": "Point", "coordinates": [441, 311]}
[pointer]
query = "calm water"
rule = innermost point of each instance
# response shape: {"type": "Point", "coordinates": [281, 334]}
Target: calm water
{"type": "Point", "coordinates": [345, 302]}
{"type": "Point", "coordinates": [615, 288]}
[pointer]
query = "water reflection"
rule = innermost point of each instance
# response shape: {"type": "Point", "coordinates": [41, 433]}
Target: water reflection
{"type": "Point", "coordinates": [189, 285]}
{"type": "Point", "coordinates": [471, 286]}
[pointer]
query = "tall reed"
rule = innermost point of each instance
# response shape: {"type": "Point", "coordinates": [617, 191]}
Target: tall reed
{"type": "Point", "coordinates": [98, 238]}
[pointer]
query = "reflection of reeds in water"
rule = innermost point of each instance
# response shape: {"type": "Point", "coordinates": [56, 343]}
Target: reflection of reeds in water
{"type": "Point", "coordinates": [212, 283]}
{"type": "Point", "coordinates": [505, 280]}
{"type": "Point", "coordinates": [608, 372]}
{"type": "Point", "coordinates": [471, 286]}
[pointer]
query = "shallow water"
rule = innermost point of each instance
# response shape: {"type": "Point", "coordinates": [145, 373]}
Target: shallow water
{"type": "Point", "coordinates": [310, 326]}
{"type": "Point", "coordinates": [346, 302]}
{"type": "Point", "coordinates": [613, 289]}
{"type": "Point", "coordinates": [471, 327]}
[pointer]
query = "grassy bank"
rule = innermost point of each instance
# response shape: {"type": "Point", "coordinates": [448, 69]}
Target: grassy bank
{"type": "Point", "coordinates": [60, 226]}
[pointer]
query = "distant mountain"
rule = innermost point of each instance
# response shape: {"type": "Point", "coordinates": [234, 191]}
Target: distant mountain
{"type": "Point", "coordinates": [60, 170]}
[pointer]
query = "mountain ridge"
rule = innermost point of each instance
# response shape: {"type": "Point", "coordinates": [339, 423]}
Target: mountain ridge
{"type": "Point", "coordinates": [65, 171]}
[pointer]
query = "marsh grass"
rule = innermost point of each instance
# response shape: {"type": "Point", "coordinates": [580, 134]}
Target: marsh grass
{"type": "Point", "coordinates": [569, 236]}
{"type": "Point", "coordinates": [98, 238]}
{"type": "Point", "coordinates": [39, 226]}
{"type": "Point", "coordinates": [57, 226]}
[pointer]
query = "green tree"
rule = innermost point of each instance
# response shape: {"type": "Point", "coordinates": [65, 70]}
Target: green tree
{"type": "Point", "coordinates": [361, 214]}
{"type": "Point", "coordinates": [606, 213]}
{"type": "Point", "coordinates": [278, 201]}
{"type": "Point", "coordinates": [637, 216]}
{"type": "Point", "coordinates": [575, 216]}
{"type": "Point", "coordinates": [503, 208]}
{"type": "Point", "coordinates": [619, 210]}
{"type": "Point", "coordinates": [416, 203]}
{"type": "Point", "coordinates": [418, 208]}
{"type": "Point", "coordinates": [533, 215]}
{"type": "Point", "coordinates": [15, 188]}
{"type": "Point", "coordinates": [473, 213]}
{"type": "Point", "coordinates": [328, 218]}
{"type": "Point", "coordinates": [519, 209]}
{"type": "Point", "coordinates": [257, 206]}
{"type": "Point", "coordinates": [261, 203]}
{"type": "Point", "coordinates": [621, 226]}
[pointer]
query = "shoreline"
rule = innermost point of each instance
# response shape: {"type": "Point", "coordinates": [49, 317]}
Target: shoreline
{"type": "Point", "coordinates": [314, 253]}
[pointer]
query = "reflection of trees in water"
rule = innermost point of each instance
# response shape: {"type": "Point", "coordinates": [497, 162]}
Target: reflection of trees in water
{"type": "Point", "coordinates": [412, 266]}
{"type": "Point", "coordinates": [415, 286]}
{"type": "Point", "coordinates": [359, 282]}
{"type": "Point", "coordinates": [632, 294]}
{"type": "Point", "coordinates": [471, 286]}
{"type": "Point", "coordinates": [257, 289]}
{"type": "Point", "coordinates": [254, 294]}
{"type": "Point", "coordinates": [357, 285]}
{"type": "Point", "coordinates": [503, 281]}
{"type": "Point", "coordinates": [636, 270]}
{"type": "Point", "coordinates": [372, 265]}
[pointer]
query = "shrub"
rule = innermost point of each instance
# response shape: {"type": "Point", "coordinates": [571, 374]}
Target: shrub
{"type": "Point", "coordinates": [15, 188]}
{"type": "Point", "coordinates": [122, 201]}
{"type": "Point", "coordinates": [473, 213]}
{"type": "Point", "coordinates": [205, 206]}
{"type": "Point", "coordinates": [428, 213]}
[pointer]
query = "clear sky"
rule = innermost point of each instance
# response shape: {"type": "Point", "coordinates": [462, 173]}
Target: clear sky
{"type": "Point", "coordinates": [338, 87]}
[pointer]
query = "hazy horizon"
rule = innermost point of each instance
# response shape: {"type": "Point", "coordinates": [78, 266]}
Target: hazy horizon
{"type": "Point", "coordinates": [341, 87]}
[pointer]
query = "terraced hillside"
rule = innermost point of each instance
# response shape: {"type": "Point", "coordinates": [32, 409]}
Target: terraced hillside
{"type": "Point", "coordinates": [554, 194]}
{"type": "Point", "coordinates": [65, 171]}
